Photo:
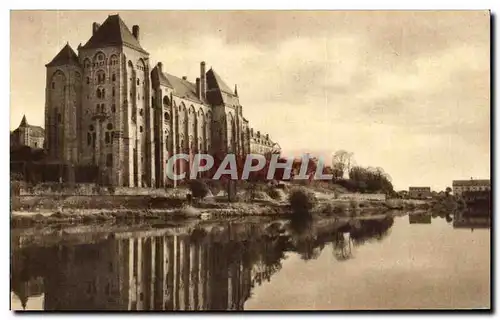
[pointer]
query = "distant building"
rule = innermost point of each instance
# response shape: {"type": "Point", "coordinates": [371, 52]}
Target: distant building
{"type": "Point", "coordinates": [419, 192]}
{"type": "Point", "coordinates": [262, 144]}
{"type": "Point", "coordinates": [461, 186]}
{"type": "Point", "coordinates": [27, 135]}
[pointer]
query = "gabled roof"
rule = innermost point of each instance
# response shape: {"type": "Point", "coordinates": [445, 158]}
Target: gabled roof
{"type": "Point", "coordinates": [66, 56]}
{"type": "Point", "coordinates": [218, 83]}
{"type": "Point", "coordinates": [113, 32]}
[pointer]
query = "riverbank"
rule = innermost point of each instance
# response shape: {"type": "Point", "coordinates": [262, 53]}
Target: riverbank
{"type": "Point", "coordinates": [40, 210]}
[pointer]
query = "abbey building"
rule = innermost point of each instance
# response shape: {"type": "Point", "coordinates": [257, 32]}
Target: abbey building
{"type": "Point", "coordinates": [106, 106]}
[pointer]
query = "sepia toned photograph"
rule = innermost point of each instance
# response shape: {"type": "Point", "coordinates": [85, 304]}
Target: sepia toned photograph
{"type": "Point", "coordinates": [264, 160]}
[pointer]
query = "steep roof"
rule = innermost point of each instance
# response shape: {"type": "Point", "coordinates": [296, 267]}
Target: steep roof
{"type": "Point", "coordinates": [23, 123]}
{"type": "Point", "coordinates": [35, 131]}
{"type": "Point", "coordinates": [66, 56]}
{"type": "Point", "coordinates": [182, 88]}
{"type": "Point", "coordinates": [218, 83]}
{"type": "Point", "coordinates": [113, 32]}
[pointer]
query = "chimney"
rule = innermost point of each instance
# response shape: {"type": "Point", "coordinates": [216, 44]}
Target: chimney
{"type": "Point", "coordinates": [135, 31]}
{"type": "Point", "coordinates": [184, 78]}
{"type": "Point", "coordinates": [203, 81]}
{"type": "Point", "coordinates": [198, 90]}
{"type": "Point", "coordinates": [95, 27]}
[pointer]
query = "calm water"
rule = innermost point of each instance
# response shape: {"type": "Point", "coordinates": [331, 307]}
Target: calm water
{"type": "Point", "coordinates": [418, 261]}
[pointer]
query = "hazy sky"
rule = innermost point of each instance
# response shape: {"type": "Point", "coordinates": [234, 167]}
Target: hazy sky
{"type": "Point", "coordinates": [405, 91]}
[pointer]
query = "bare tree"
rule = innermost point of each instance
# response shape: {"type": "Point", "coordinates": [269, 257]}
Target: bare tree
{"type": "Point", "coordinates": [343, 161]}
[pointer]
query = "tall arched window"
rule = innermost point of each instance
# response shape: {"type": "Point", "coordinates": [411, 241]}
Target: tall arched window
{"type": "Point", "coordinates": [101, 77]}
{"type": "Point", "coordinates": [113, 60]}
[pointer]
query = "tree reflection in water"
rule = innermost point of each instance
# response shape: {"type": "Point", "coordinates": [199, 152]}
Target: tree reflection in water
{"type": "Point", "coordinates": [209, 267]}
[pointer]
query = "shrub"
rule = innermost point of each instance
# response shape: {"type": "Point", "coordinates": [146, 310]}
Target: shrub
{"type": "Point", "coordinates": [302, 201]}
{"type": "Point", "coordinates": [274, 193]}
{"type": "Point", "coordinates": [198, 188]}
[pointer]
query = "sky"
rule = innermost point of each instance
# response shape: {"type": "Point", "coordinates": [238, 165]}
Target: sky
{"type": "Point", "coordinates": [407, 91]}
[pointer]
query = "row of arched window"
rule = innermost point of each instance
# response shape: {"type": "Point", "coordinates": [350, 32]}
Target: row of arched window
{"type": "Point", "coordinates": [100, 60]}
{"type": "Point", "coordinates": [101, 77]}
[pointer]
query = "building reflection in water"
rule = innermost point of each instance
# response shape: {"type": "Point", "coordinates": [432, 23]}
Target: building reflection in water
{"type": "Point", "coordinates": [472, 219]}
{"type": "Point", "coordinates": [202, 269]}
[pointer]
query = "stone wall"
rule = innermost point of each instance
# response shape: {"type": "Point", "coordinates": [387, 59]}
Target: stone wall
{"type": "Point", "coordinates": [362, 196]}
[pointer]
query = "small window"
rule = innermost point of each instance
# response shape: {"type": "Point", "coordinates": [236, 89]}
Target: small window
{"type": "Point", "coordinates": [91, 128]}
{"type": "Point", "coordinates": [108, 138]}
{"type": "Point", "coordinates": [113, 108]}
{"type": "Point", "coordinates": [89, 138]}
{"type": "Point", "coordinates": [140, 129]}
{"type": "Point", "coordinates": [110, 126]}
{"type": "Point", "coordinates": [138, 81]}
{"type": "Point", "coordinates": [113, 92]}
{"type": "Point", "coordinates": [113, 77]}
{"type": "Point", "coordinates": [59, 117]}
{"type": "Point", "coordinates": [140, 112]}
{"type": "Point", "coordinates": [53, 85]}
{"type": "Point", "coordinates": [88, 80]}
{"type": "Point", "coordinates": [109, 163]}
{"type": "Point", "coordinates": [167, 116]}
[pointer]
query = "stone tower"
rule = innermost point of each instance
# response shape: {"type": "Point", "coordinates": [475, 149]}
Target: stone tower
{"type": "Point", "coordinates": [62, 105]}
{"type": "Point", "coordinates": [116, 123]}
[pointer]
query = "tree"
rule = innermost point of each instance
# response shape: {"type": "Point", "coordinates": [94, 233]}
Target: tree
{"type": "Point", "coordinates": [302, 201]}
{"type": "Point", "coordinates": [448, 191]}
{"type": "Point", "coordinates": [342, 162]}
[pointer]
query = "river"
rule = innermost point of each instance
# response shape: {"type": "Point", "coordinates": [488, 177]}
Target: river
{"type": "Point", "coordinates": [385, 262]}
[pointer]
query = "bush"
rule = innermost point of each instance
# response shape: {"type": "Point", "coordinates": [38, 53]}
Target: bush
{"type": "Point", "coordinates": [198, 188]}
{"type": "Point", "coordinates": [302, 201]}
{"type": "Point", "coordinates": [274, 193]}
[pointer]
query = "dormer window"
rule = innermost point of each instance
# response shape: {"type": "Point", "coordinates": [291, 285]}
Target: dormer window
{"type": "Point", "coordinates": [100, 57]}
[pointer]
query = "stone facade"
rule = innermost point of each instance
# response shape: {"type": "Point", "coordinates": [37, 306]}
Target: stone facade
{"type": "Point", "coordinates": [107, 106]}
{"type": "Point", "coordinates": [27, 135]}
{"type": "Point", "coordinates": [262, 144]}
{"type": "Point", "coordinates": [461, 186]}
{"type": "Point", "coordinates": [419, 192]}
